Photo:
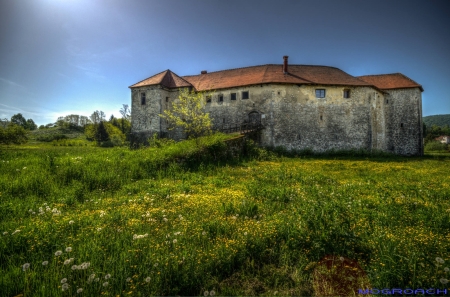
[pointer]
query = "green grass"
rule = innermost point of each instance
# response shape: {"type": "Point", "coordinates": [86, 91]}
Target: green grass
{"type": "Point", "coordinates": [210, 222]}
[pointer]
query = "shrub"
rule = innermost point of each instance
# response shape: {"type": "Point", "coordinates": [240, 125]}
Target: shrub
{"type": "Point", "coordinates": [435, 146]}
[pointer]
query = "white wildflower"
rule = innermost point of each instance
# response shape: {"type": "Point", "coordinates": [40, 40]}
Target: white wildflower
{"type": "Point", "coordinates": [25, 266]}
{"type": "Point", "coordinates": [96, 280]}
{"type": "Point", "coordinates": [177, 233]}
{"type": "Point", "coordinates": [155, 265]}
{"type": "Point", "coordinates": [165, 219]}
{"type": "Point", "coordinates": [15, 232]}
{"type": "Point", "coordinates": [58, 253]}
{"type": "Point", "coordinates": [64, 280]}
{"type": "Point", "coordinates": [128, 279]}
{"type": "Point", "coordinates": [439, 260]}
{"type": "Point", "coordinates": [212, 293]}
{"type": "Point", "coordinates": [446, 269]}
{"type": "Point", "coordinates": [68, 249]}
{"type": "Point", "coordinates": [79, 290]}
{"type": "Point", "coordinates": [234, 217]}
{"type": "Point", "coordinates": [45, 263]}
{"type": "Point", "coordinates": [204, 233]}
{"type": "Point", "coordinates": [5, 233]}
{"type": "Point", "coordinates": [245, 233]}
{"type": "Point", "coordinates": [84, 265]}
{"type": "Point", "coordinates": [99, 229]}
{"type": "Point", "coordinates": [74, 267]}
{"type": "Point", "coordinates": [24, 168]}
{"type": "Point", "coordinates": [108, 276]}
{"type": "Point", "coordinates": [341, 258]}
{"type": "Point", "coordinates": [444, 280]}
{"type": "Point", "coordinates": [174, 241]}
{"type": "Point", "coordinates": [71, 222]}
{"type": "Point", "coordinates": [105, 284]}
{"type": "Point", "coordinates": [206, 293]}
{"type": "Point", "coordinates": [147, 280]}
{"type": "Point", "coordinates": [65, 286]}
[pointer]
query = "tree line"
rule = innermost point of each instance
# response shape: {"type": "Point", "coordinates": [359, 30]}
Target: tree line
{"type": "Point", "coordinates": [113, 132]}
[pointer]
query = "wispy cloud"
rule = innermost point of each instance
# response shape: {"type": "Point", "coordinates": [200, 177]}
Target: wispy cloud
{"type": "Point", "coordinates": [11, 83]}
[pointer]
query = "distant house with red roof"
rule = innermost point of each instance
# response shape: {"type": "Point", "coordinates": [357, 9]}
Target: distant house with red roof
{"type": "Point", "coordinates": [443, 139]}
{"type": "Point", "coordinates": [296, 106]}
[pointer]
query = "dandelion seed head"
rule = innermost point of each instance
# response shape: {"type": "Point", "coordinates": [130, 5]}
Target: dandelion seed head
{"type": "Point", "coordinates": [341, 258]}
{"type": "Point", "coordinates": [45, 263]}
{"type": "Point", "coordinates": [108, 276]}
{"type": "Point", "coordinates": [74, 267]}
{"type": "Point", "coordinates": [245, 233]}
{"type": "Point", "coordinates": [65, 286]}
{"type": "Point", "coordinates": [204, 233]}
{"type": "Point", "coordinates": [71, 222]}
{"type": "Point", "coordinates": [212, 293]}
{"type": "Point", "coordinates": [128, 279]}
{"type": "Point", "coordinates": [25, 266]}
{"type": "Point", "coordinates": [206, 293]}
{"type": "Point", "coordinates": [443, 281]}
{"type": "Point", "coordinates": [79, 290]}
{"type": "Point", "coordinates": [174, 241]}
{"type": "Point", "coordinates": [446, 269]}
{"type": "Point", "coordinates": [64, 280]}
{"type": "Point", "coordinates": [439, 260]}
{"type": "Point", "coordinates": [58, 253]}
{"type": "Point", "coordinates": [105, 284]}
{"type": "Point", "coordinates": [147, 280]}
{"type": "Point", "coordinates": [5, 233]}
{"type": "Point", "coordinates": [68, 249]}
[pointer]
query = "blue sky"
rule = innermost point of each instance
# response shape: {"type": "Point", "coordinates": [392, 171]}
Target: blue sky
{"type": "Point", "coordinates": [59, 57]}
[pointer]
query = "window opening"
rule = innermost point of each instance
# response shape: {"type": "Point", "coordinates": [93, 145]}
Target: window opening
{"type": "Point", "coordinates": [346, 93]}
{"type": "Point", "coordinates": [142, 98]}
{"type": "Point", "coordinates": [320, 93]}
{"type": "Point", "coordinates": [208, 99]}
{"type": "Point", "coordinates": [245, 95]}
{"type": "Point", "coordinates": [220, 98]}
{"type": "Point", "coordinates": [233, 96]}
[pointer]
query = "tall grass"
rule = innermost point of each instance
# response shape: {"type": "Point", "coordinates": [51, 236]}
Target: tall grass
{"type": "Point", "coordinates": [186, 219]}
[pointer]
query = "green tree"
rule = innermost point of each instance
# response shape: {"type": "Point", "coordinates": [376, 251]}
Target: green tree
{"type": "Point", "coordinates": [19, 120]}
{"type": "Point", "coordinates": [187, 112]}
{"type": "Point", "coordinates": [31, 125]}
{"type": "Point", "coordinates": [101, 135]}
{"type": "Point", "coordinates": [13, 134]}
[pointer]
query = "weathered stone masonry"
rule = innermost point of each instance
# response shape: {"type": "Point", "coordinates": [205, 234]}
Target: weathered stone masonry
{"type": "Point", "coordinates": [292, 116]}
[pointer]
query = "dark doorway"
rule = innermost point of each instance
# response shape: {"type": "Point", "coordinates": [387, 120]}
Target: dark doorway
{"type": "Point", "coordinates": [254, 117]}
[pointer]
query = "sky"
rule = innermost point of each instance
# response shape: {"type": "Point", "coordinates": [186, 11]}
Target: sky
{"type": "Point", "coordinates": [61, 57]}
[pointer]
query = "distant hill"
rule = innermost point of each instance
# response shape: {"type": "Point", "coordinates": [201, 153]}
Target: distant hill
{"type": "Point", "coordinates": [439, 120]}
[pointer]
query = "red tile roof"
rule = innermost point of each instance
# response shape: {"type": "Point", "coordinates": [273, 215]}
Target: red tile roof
{"type": "Point", "coordinates": [390, 81]}
{"type": "Point", "coordinates": [273, 73]}
{"type": "Point", "coordinates": [254, 75]}
{"type": "Point", "coordinates": [166, 78]}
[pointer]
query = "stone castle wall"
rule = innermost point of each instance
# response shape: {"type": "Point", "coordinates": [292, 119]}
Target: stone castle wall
{"type": "Point", "coordinates": [293, 117]}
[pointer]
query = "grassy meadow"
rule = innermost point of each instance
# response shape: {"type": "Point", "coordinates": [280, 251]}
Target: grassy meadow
{"type": "Point", "coordinates": [178, 220]}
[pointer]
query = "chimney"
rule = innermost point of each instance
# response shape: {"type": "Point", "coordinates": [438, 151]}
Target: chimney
{"type": "Point", "coordinates": [285, 64]}
{"type": "Point", "coordinates": [204, 72]}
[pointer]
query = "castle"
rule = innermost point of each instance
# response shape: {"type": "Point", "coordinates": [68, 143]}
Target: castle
{"type": "Point", "coordinates": [298, 106]}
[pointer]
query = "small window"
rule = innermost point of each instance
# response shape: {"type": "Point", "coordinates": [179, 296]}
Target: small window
{"type": "Point", "coordinates": [320, 93]}
{"type": "Point", "coordinates": [387, 101]}
{"type": "Point", "coordinates": [401, 125]}
{"type": "Point", "coordinates": [208, 99]}
{"type": "Point", "coordinates": [142, 98]}
{"type": "Point", "coordinates": [220, 98]}
{"type": "Point", "coordinates": [278, 93]}
{"type": "Point", "coordinates": [346, 93]}
{"type": "Point", "coordinates": [233, 96]}
{"type": "Point", "coordinates": [321, 118]}
{"type": "Point", "coordinates": [245, 95]}
{"type": "Point", "coordinates": [167, 99]}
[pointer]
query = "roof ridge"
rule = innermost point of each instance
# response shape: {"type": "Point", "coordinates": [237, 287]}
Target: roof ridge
{"type": "Point", "coordinates": [150, 77]}
{"type": "Point", "coordinates": [180, 77]}
{"type": "Point", "coordinates": [263, 66]}
{"type": "Point", "coordinates": [382, 74]}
